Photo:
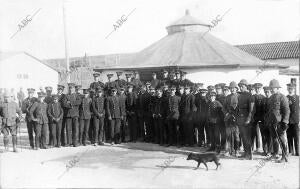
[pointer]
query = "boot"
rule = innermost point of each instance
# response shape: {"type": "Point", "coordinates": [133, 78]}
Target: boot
{"type": "Point", "coordinates": [5, 141]}
{"type": "Point", "coordinates": [14, 141]}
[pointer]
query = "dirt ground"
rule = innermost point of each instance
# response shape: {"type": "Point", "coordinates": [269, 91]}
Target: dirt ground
{"type": "Point", "coordinates": [137, 165]}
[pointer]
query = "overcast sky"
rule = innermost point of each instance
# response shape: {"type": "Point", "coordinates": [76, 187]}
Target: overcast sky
{"type": "Point", "coordinates": [90, 21]}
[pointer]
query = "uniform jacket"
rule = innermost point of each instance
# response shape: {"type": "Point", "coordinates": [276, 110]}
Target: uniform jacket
{"type": "Point", "coordinates": [245, 99]}
{"type": "Point", "coordinates": [98, 106]}
{"type": "Point", "coordinates": [259, 107]}
{"type": "Point", "coordinates": [173, 107]}
{"type": "Point", "coordinates": [120, 82]}
{"type": "Point", "coordinates": [39, 111]}
{"type": "Point", "coordinates": [8, 113]}
{"type": "Point", "coordinates": [159, 107]}
{"type": "Point", "coordinates": [72, 102]}
{"type": "Point", "coordinates": [26, 105]}
{"type": "Point", "coordinates": [123, 103]}
{"type": "Point", "coordinates": [155, 83]}
{"type": "Point", "coordinates": [202, 105]}
{"type": "Point", "coordinates": [143, 102]}
{"type": "Point", "coordinates": [187, 104]}
{"type": "Point", "coordinates": [97, 84]}
{"type": "Point", "coordinates": [266, 103]}
{"type": "Point", "coordinates": [113, 107]}
{"type": "Point", "coordinates": [55, 111]}
{"type": "Point", "coordinates": [279, 110]}
{"type": "Point", "coordinates": [131, 103]}
{"type": "Point", "coordinates": [231, 104]}
{"type": "Point", "coordinates": [48, 99]}
{"type": "Point", "coordinates": [294, 109]}
{"type": "Point", "coordinates": [221, 98]}
{"type": "Point", "coordinates": [136, 83]}
{"type": "Point", "coordinates": [85, 108]}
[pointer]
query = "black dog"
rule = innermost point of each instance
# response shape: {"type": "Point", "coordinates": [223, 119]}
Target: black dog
{"type": "Point", "coordinates": [204, 158]}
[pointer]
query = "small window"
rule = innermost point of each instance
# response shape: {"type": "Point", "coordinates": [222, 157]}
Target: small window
{"type": "Point", "coordinates": [19, 76]}
{"type": "Point", "coordinates": [25, 76]}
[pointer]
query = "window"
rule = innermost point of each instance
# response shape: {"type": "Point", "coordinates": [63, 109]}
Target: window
{"type": "Point", "coordinates": [22, 76]}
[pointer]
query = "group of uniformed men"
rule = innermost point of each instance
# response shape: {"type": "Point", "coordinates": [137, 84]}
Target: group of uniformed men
{"type": "Point", "coordinates": [168, 111]}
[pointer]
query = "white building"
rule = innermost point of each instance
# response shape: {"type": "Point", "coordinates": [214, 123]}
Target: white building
{"type": "Point", "coordinates": [20, 69]}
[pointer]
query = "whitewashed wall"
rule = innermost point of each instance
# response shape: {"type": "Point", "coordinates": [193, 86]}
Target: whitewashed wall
{"type": "Point", "coordinates": [24, 71]}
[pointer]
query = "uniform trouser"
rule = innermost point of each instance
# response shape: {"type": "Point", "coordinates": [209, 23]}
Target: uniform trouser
{"type": "Point", "coordinates": [208, 133]}
{"type": "Point", "coordinates": [162, 129]}
{"type": "Point", "coordinates": [13, 131]}
{"type": "Point", "coordinates": [84, 125]}
{"type": "Point", "coordinates": [215, 134]}
{"type": "Point", "coordinates": [222, 130]}
{"type": "Point", "coordinates": [50, 135]}
{"type": "Point", "coordinates": [133, 127]}
{"type": "Point", "coordinates": [200, 127]}
{"type": "Point", "coordinates": [232, 137]}
{"type": "Point", "coordinates": [171, 132]}
{"type": "Point", "coordinates": [245, 133]}
{"type": "Point", "coordinates": [30, 126]}
{"type": "Point", "coordinates": [158, 123]}
{"type": "Point", "coordinates": [255, 135]}
{"type": "Point", "coordinates": [114, 125]}
{"type": "Point", "coordinates": [55, 133]}
{"type": "Point", "coordinates": [41, 133]}
{"type": "Point", "coordinates": [265, 137]}
{"type": "Point", "coordinates": [98, 130]}
{"type": "Point", "coordinates": [282, 137]}
{"type": "Point", "coordinates": [63, 132]}
{"type": "Point", "coordinates": [293, 136]}
{"type": "Point", "coordinates": [141, 127]}
{"type": "Point", "coordinates": [124, 128]}
{"type": "Point", "coordinates": [188, 128]}
{"type": "Point", "coordinates": [72, 130]}
{"type": "Point", "coordinates": [149, 128]}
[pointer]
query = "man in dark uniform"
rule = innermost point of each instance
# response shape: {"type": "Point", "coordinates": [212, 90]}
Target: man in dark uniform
{"type": "Point", "coordinates": [143, 112]}
{"type": "Point", "coordinates": [109, 85]}
{"type": "Point", "coordinates": [221, 98]}
{"type": "Point", "coordinates": [131, 109]}
{"type": "Point", "coordinates": [61, 96]}
{"type": "Point", "coordinates": [231, 113]}
{"type": "Point", "coordinates": [245, 113]}
{"type": "Point", "coordinates": [55, 115]}
{"type": "Point", "coordinates": [8, 111]}
{"type": "Point", "coordinates": [177, 80]}
{"type": "Point", "coordinates": [128, 78]}
{"type": "Point", "coordinates": [154, 82]}
{"type": "Point", "coordinates": [187, 107]}
{"type": "Point", "coordinates": [258, 115]}
{"type": "Point", "coordinates": [226, 90]}
{"type": "Point", "coordinates": [97, 82]}
{"type": "Point", "coordinates": [184, 80]}
{"type": "Point", "coordinates": [38, 113]}
{"type": "Point", "coordinates": [279, 113]}
{"type": "Point", "coordinates": [150, 132]}
{"type": "Point", "coordinates": [265, 129]}
{"type": "Point", "coordinates": [71, 103]}
{"type": "Point", "coordinates": [293, 129]}
{"type": "Point", "coordinates": [120, 82]}
{"type": "Point", "coordinates": [200, 119]}
{"type": "Point", "coordinates": [48, 98]}
{"type": "Point", "coordinates": [159, 116]}
{"type": "Point", "coordinates": [114, 114]}
{"type": "Point", "coordinates": [26, 105]}
{"type": "Point", "coordinates": [98, 109]}
{"type": "Point", "coordinates": [85, 114]}
{"type": "Point", "coordinates": [172, 117]}
{"type": "Point", "coordinates": [124, 128]}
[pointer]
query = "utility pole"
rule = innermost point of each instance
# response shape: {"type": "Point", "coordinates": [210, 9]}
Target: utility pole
{"type": "Point", "coordinates": [66, 44]}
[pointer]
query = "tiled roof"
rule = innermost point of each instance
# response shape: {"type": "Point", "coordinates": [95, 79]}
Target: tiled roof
{"type": "Point", "coordinates": [276, 50]}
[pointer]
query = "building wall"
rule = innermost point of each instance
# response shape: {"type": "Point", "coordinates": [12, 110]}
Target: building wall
{"type": "Point", "coordinates": [24, 71]}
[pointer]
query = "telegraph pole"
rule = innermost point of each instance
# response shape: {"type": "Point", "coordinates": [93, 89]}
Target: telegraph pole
{"type": "Point", "coordinates": [66, 44]}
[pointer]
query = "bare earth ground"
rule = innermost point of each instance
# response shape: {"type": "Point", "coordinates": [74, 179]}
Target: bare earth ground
{"type": "Point", "coordinates": [136, 165]}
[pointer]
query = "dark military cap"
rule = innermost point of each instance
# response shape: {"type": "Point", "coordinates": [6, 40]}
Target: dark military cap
{"type": "Point", "coordinates": [258, 85]}
{"type": "Point", "coordinates": [148, 84]}
{"type": "Point", "coordinates": [99, 88]}
{"type": "Point", "coordinates": [225, 88]}
{"type": "Point", "coordinates": [113, 89]}
{"type": "Point", "coordinates": [41, 94]}
{"type": "Point", "coordinates": [96, 74]}
{"type": "Point", "coordinates": [177, 72]}
{"type": "Point", "coordinates": [55, 96]}
{"type": "Point", "coordinates": [122, 88]}
{"type": "Point", "coordinates": [291, 85]}
{"type": "Point", "coordinates": [110, 75]}
{"type": "Point", "coordinates": [164, 71]}
{"type": "Point", "coordinates": [85, 91]}
{"type": "Point", "coordinates": [48, 88]}
{"type": "Point", "coordinates": [31, 90]}
{"type": "Point", "coordinates": [212, 94]}
{"type": "Point", "coordinates": [218, 86]}
{"type": "Point", "coordinates": [266, 88]}
{"type": "Point", "coordinates": [60, 87]}
{"type": "Point", "coordinates": [203, 90]}
{"type": "Point", "coordinates": [78, 86]}
{"type": "Point", "coordinates": [71, 85]}
{"type": "Point", "coordinates": [210, 87]}
{"type": "Point", "coordinates": [128, 75]}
